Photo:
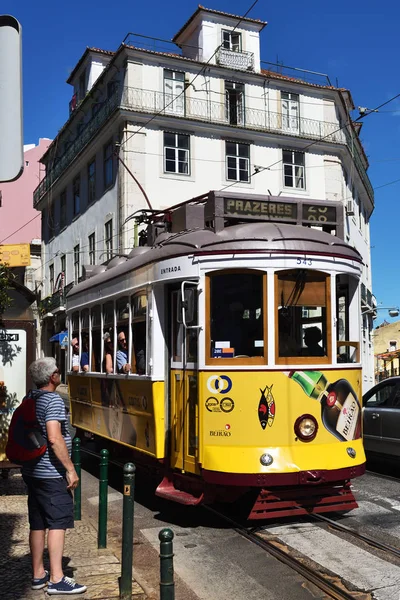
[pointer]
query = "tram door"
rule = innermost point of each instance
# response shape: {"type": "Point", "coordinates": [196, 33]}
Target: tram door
{"type": "Point", "coordinates": [183, 379]}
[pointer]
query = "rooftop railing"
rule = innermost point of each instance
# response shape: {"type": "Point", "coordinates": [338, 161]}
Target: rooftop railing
{"type": "Point", "coordinates": [235, 60]}
{"type": "Point", "coordinates": [154, 102]}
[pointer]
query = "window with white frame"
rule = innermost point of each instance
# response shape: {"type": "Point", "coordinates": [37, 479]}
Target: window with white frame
{"type": "Point", "coordinates": [174, 92]}
{"type": "Point", "coordinates": [51, 278]}
{"type": "Point", "coordinates": [290, 106]}
{"type": "Point", "coordinates": [231, 40]}
{"type": "Point", "coordinates": [108, 164]}
{"type": "Point", "coordinates": [92, 249]}
{"type": "Point", "coordinates": [237, 161]}
{"type": "Point", "coordinates": [108, 239]}
{"type": "Point", "coordinates": [77, 264]}
{"type": "Point", "coordinates": [176, 153]}
{"type": "Point", "coordinates": [234, 102]}
{"type": "Point", "coordinates": [63, 263]}
{"type": "Point", "coordinates": [293, 169]}
{"type": "Point", "coordinates": [76, 186]}
{"type": "Point", "coordinates": [91, 179]}
{"type": "Point", "coordinates": [63, 209]}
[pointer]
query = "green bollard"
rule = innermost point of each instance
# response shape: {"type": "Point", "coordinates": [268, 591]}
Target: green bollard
{"type": "Point", "coordinates": [76, 459]}
{"type": "Point", "coordinates": [127, 532]}
{"type": "Point", "coordinates": [167, 586]}
{"type": "Point", "coordinates": [103, 497]}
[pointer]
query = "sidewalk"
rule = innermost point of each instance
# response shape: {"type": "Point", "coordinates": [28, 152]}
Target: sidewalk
{"type": "Point", "coordinates": [99, 570]}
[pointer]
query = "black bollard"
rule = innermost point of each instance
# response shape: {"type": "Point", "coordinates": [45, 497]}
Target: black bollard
{"type": "Point", "coordinates": [76, 459]}
{"type": "Point", "coordinates": [127, 532]}
{"type": "Point", "coordinates": [167, 586]}
{"type": "Point", "coordinates": [103, 497]}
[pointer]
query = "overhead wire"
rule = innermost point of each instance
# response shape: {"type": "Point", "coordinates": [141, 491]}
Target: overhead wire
{"type": "Point", "coordinates": [190, 83]}
{"type": "Point", "coordinates": [348, 122]}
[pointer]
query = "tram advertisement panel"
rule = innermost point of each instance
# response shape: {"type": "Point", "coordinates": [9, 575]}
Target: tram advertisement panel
{"type": "Point", "coordinates": [121, 410]}
{"type": "Point", "coordinates": [261, 409]}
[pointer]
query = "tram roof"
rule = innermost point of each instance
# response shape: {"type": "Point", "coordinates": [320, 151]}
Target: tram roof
{"type": "Point", "coordinates": [262, 237]}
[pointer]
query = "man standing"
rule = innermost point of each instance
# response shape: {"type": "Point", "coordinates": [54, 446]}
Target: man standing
{"type": "Point", "coordinates": [50, 481]}
{"type": "Point", "coordinates": [122, 354]}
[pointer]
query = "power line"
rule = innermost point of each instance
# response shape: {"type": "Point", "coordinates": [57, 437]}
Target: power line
{"type": "Point", "coordinates": [22, 226]}
{"type": "Point", "coordinates": [362, 116]}
{"type": "Point", "coordinates": [175, 98]}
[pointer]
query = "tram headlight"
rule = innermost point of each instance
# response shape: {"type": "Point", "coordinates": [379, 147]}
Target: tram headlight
{"type": "Point", "coordinates": [306, 428]}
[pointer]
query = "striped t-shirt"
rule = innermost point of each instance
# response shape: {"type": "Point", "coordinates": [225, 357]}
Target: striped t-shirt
{"type": "Point", "coordinates": [49, 407]}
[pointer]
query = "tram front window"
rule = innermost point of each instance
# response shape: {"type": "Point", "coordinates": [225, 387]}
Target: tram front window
{"type": "Point", "coordinates": [302, 315]}
{"type": "Point", "coordinates": [236, 315]}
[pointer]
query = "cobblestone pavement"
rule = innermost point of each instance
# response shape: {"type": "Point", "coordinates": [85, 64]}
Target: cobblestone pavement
{"type": "Point", "coordinates": [98, 569]}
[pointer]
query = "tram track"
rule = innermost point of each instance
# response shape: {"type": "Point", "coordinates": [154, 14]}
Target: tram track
{"type": "Point", "coordinates": [391, 550]}
{"type": "Point", "coordinates": [275, 548]}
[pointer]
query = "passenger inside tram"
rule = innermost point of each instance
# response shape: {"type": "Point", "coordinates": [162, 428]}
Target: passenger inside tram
{"type": "Point", "coordinates": [312, 339]}
{"type": "Point", "coordinates": [123, 366]}
{"type": "Point", "coordinates": [108, 360]}
{"type": "Point", "coordinates": [85, 353]}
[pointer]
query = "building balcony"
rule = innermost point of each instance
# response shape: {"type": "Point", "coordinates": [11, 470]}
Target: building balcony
{"type": "Point", "coordinates": [215, 113]}
{"type": "Point", "coordinates": [55, 302]}
{"type": "Point", "coordinates": [235, 60]}
{"type": "Point", "coordinates": [82, 139]}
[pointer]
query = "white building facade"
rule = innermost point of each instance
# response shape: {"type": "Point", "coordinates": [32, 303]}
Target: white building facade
{"type": "Point", "coordinates": [165, 127]}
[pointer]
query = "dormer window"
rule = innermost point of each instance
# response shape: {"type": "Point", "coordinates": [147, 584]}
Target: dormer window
{"type": "Point", "coordinates": [231, 40]}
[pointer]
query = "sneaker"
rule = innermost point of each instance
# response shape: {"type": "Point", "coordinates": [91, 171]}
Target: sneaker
{"type": "Point", "coordinates": [67, 585]}
{"type": "Point", "coordinates": [38, 584]}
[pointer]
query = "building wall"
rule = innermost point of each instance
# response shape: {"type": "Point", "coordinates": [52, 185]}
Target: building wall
{"type": "Point", "coordinates": [383, 335]}
{"type": "Point", "coordinates": [16, 199]}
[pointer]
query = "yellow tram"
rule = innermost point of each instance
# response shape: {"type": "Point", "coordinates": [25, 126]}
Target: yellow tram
{"type": "Point", "coordinates": [241, 373]}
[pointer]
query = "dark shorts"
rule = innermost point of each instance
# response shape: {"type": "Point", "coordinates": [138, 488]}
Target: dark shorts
{"type": "Point", "coordinates": [50, 504]}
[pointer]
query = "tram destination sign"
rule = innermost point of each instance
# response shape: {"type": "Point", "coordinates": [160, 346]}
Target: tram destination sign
{"type": "Point", "coordinates": [256, 208]}
{"type": "Point", "coordinates": [272, 210]}
{"type": "Point", "coordinates": [319, 212]}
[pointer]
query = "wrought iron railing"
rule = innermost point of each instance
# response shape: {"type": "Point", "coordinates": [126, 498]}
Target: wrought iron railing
{"type": "Point", "coordinates": [56, 300]}
{"type": "Point", "coordinates": [235, 60]}
{"type": "Point", "coordinates": [153, 102]}
{"type": "Point", "coordinates": [56, 168]}
{"type": "Point", "coordinates": [352, 145]}
{"type": "Point", "coordinates": [216, 112]}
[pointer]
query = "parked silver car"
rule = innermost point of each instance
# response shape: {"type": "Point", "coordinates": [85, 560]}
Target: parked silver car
{"type": "Point", "coordinates": [381, 417]}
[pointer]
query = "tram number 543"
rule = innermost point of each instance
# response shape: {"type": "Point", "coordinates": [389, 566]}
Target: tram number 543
{"type": "Point", "coordinates": [304, 261]}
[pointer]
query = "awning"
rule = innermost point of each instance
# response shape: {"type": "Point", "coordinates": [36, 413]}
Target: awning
{"type": "Point", "coordinates": [60, 338]}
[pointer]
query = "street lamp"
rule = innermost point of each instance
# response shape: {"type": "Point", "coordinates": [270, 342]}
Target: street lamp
{"type": "Point", "coordinates": [393, 311]}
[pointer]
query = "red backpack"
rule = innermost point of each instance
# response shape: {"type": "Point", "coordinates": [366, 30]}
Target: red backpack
{"type": "Point", "coordinates": [26, 442]}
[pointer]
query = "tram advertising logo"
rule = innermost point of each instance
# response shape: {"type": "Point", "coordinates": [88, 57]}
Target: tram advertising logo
{"type": "Point", "coordinates": [225, 405]}
{"type": "Point", "coordinates": [266, 407]}
{"type": "Point", "coordinates": [219, 384]}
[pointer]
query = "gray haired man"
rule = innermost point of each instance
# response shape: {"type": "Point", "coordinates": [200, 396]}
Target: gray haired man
{"type": "Point", "coordinates": [50, 481]}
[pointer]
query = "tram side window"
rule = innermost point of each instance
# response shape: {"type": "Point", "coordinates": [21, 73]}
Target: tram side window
{"type": "Point", "coordinates": [95, 362]}
{"type": "Point", "coordinates": [302, 314]}
{"type": "Point", "coordinates": [84, 349]}
{"type": "Point", "coordinates": [236, 315]}
{"type": "Point", "coordinates": [139, 316]}
{"type": "Point", "coordinates": [347, 344]}
{"type": "Point", "coordinates": [124, 361]}
{"type": "Point", "coordinates": [74, 359]}
{"type": "Point", "coordinates": [108, 338]}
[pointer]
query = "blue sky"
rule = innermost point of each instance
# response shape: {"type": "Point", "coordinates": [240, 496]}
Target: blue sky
{"type": "Point", "coordinates": [355, 44]}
